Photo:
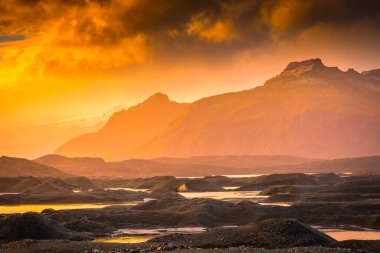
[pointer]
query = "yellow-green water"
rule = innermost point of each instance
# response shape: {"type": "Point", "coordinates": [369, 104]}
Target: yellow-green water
{"type": "Point", "coordinates": [9, 209]}
{"type": "Point", "coordinates": [125, 239]}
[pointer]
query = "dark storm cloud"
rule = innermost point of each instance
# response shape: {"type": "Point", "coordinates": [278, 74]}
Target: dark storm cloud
{"type": "Point", "coordinates": [9, 37]}
{"type": "Point", "coordinates": [179, 27]}
{"type": "Point", "coordinates": [249, 21]}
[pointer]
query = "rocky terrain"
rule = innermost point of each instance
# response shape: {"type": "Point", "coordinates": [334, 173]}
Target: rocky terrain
{"type": "Point", "coordinates": [313, 200]}
{"type": "Point", "coordinates": [32, 232]}
{"type": "Point", "coordinates": [34, 226]}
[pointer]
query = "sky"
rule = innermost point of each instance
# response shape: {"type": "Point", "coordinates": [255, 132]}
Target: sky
{"type": "Point", "coordinates": [65, 64]}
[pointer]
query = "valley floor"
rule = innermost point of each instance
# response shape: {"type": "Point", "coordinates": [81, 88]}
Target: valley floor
{"type": "Point", "coordinates": [276, 213]}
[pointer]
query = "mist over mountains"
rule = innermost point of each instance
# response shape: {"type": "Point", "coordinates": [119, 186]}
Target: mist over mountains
{"type": "Point", "coordinates": [308, 110]}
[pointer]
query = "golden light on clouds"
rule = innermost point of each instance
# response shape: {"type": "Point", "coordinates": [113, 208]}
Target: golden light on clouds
{"type": "Point", "coordinates": [72, 40]}
{"type": "Point", "coordinates": [216, 31]}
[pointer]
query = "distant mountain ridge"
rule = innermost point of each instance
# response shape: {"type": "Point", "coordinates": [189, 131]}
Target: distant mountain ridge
{"type": "Point", "coordinates": [186, 167]}
{"type": "Point", "coordinates": [308, 110]}
{"type": "Point", "coordinates": [19, 167]}
{"type": "Point", "coordinates": [208, 166]}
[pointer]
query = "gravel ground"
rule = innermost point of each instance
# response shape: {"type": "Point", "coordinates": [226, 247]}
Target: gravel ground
{"type": "Point", "coordinates": [62, 246]}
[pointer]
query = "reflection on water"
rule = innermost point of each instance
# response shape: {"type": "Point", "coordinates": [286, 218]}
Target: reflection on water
{"type": "Point", "coordinates": [230, 187]}
{"type": "Point", "coordinates": [143, 235]}
{"type": "Point", "coordinates": [223, 195]}
{"type": "Point", "coordinates": [127, 189]}
{"type": "Point", "coordinates": [40, 207]}
{"type": "Point", "coordinates": [125, 239]}
{"type": "Point", "coordinates": [244, 175]}
{"type": "Point", "coordinates": [354, 233]}
{"type": "Point", "coordinates": [231, 176]}
{"type": "Point", "coordinates": [275, 204]}
{"type": "Point", "coordinates": [160, 231]}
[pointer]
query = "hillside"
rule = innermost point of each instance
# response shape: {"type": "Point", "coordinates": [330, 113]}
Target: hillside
{"type": "Point", "coordinates": [74, 166]}
{"type": "Point", "coordinates": [244, 161]}
{"type": "Point", "coordinates": [126, 130]}
{"type": "Point", "coordinates": [355, 165]}
{"type": "Point", "coordinates": [309, 110]}
{"type": "Point", "coordinates": [19, 167]}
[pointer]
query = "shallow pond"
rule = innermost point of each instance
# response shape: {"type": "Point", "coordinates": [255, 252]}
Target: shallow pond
{"type": "Point", "coordinates": [125, 239]}
{"type": "Point", "coordinates": [126, 189]}
{"type": "Point", "coordinates": [9, 209]}
{"type": "Point", "coordinates": [143, 235]}
{"type": "Point", "coordinates": [224, 195]}
{"type": "Point", "coordinates": [356, 233]}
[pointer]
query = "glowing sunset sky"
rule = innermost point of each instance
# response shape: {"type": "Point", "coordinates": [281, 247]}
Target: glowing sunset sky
{"type": "Point", "coordinates": [77, 59]}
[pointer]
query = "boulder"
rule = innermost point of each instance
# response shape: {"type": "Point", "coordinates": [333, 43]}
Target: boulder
{"type": "Point", "coordinates": [29, 226]}
{"type": "Point", "coordinates": [199, 185]}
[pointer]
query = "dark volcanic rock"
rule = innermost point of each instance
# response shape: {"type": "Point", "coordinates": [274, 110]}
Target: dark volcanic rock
{"type": "Point", "coordinates": [30, 226]}
{"type": "Point", "coordinates": [273, 233]}
{"type": "Point", "coordinates": [328, 178]}
{"type": "Point", "coordinates": [282, 198]}
{"type": "Point", "coordinates": [263, 182]}
{"type": "Point", "coordinates": [85, 225]}
{"type": "Point", "coordinates": [335, 197]}
{"type": "Point", "coordinates": [370, 245]}
{"type": "Point", "coordinates": [171, 184]}
{"type": "Point", "coordinates": [360, 186]}
{"type": "Point", "coordinates": [290, 189]}
{"type": "Point", "coordinates": [81, 183]}
{"type": "Point", "coordinates": [199, 185]}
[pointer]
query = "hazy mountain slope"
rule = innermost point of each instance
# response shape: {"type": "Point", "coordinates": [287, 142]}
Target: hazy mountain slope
{"type": "Point", "coordinates": [133, 168]}
{"type": "Point", "coordinates": [82, 166]}
{"type": "Point", "coordinates": [309, 110]}
{"type": "Point", "coordinates": [18, 167]}
{"type": "Point", "coordinates": [369, 164]}
{"type": "Point", "coordinates": [244, 161]}
{"type": "Point", "coordinates": [207, 166]}
{"type": "Point", "coordinates": [126, 130]}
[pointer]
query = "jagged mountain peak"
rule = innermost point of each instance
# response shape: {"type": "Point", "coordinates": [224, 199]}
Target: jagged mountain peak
{"type": "Point", "coordinates": [312, 68]}
{"type": "Point", "coordinates": [310, 64]}
{"type": "Point", "coordinates": [157, 98]}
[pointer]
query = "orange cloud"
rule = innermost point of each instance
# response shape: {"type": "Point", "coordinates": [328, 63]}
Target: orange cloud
{"type": "Point", "coordinates": [75, 40]}
{"type": "Point", "coordinates": [215, 31]}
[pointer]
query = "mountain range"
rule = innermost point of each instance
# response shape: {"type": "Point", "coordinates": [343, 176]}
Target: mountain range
{"type": "Point", "coordinates": [308, 110]}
